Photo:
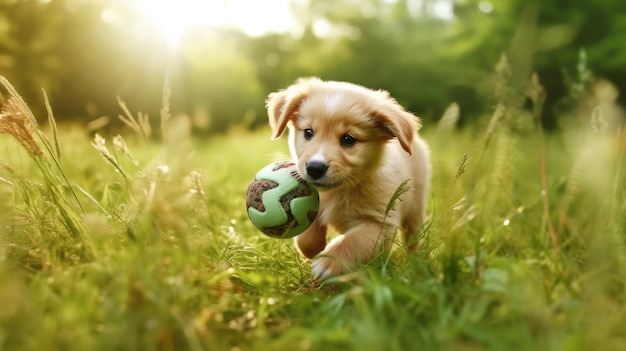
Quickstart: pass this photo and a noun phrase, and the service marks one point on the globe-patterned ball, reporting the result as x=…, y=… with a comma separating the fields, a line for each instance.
x=279, y=202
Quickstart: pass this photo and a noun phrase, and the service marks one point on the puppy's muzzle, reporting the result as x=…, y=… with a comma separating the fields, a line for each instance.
x=316, y=169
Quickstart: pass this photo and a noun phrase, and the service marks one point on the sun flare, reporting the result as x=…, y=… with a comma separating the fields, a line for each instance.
x=173, y=17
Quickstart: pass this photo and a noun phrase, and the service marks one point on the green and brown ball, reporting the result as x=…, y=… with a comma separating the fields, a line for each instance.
x=279, y=202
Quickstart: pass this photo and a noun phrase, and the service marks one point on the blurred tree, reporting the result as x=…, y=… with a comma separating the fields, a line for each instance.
x=29, y=38
x=107, y=52
x=425, y=56
x=221, y=84
x=83, y=53
x=596, y=27
x=427, y=53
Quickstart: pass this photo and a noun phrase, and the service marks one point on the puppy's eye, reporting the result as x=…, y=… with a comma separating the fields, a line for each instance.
x=308, y=134
x=347, y=140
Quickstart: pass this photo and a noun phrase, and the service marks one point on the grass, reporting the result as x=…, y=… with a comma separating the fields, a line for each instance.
x=146, y=246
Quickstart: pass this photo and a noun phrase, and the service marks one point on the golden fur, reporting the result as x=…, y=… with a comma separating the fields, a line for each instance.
x=356, y=146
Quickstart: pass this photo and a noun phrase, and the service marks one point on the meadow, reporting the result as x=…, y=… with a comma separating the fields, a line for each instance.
x=140, y=241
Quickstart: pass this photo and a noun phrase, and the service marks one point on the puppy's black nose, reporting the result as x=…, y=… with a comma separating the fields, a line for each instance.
x=316, y=169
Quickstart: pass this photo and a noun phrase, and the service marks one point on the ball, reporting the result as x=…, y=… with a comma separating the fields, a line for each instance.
x=279, y=202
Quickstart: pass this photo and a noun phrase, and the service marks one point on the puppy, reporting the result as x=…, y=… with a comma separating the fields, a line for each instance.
x=356, y=146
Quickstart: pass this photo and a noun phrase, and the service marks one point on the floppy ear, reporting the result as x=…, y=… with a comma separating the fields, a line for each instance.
x=281, y=108
x=397, y=123
x=284, y=105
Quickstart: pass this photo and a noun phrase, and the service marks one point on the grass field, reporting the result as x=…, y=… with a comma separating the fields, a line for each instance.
x=145, y=245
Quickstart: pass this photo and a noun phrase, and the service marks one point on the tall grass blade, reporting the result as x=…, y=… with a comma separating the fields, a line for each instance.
x=166, y=115
x=141, y=124
x=450, y=118
x=53, y=126
x=99, y=143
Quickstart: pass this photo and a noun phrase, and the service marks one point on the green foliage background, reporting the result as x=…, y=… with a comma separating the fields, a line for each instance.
x=220, y=76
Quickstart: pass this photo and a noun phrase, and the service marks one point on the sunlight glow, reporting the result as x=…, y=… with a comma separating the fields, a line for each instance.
x=255, y=18
x=485, y=7
x=441, y=9
x=444, y=9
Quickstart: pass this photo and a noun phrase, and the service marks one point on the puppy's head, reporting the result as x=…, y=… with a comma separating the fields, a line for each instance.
x=338, y=131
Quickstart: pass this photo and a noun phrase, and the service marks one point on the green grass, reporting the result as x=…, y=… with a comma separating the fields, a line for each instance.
x=160, y=255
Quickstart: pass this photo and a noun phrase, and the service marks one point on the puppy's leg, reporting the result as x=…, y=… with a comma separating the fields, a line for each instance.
x=357, y=245
x=313, y=240
x=411, y=226
x=415, y=212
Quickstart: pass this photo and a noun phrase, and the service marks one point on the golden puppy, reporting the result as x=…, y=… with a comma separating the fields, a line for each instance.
x=356, y=146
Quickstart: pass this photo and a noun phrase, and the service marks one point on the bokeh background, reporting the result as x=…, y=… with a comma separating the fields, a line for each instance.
x=222, y=57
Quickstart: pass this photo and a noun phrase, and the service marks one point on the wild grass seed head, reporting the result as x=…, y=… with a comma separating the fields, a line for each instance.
x=14, y=121
x=120, y=145
x=140, y=124
x=194, y=182
x=494, y=122
x=462, y=165
x=166, y=114
x=99, y=143
x=598, y=122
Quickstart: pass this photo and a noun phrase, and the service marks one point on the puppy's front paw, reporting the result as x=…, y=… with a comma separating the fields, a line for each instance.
x=338, y=258
x=346, y=251
x=326, y=266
